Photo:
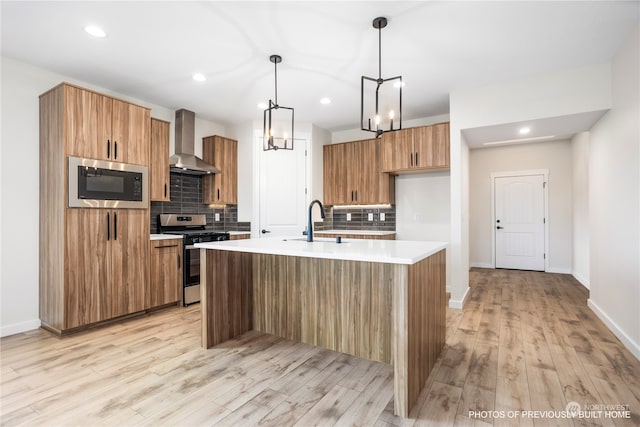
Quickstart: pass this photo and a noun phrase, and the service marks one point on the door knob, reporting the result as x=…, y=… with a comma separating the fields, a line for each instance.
x=499, y=228
x=265, y=231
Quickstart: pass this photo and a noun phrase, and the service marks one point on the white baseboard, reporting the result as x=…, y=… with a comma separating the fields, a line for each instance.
x=558, y=270
x=481, y=265
x=16, y=328
x=584, y=282
x=633, y=347
x=459, y=304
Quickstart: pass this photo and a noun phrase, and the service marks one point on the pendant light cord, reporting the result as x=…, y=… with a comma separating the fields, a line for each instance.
x=379, y=53
x=275, y=65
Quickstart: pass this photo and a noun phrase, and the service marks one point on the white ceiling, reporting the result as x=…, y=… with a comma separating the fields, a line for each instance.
x=154, y=47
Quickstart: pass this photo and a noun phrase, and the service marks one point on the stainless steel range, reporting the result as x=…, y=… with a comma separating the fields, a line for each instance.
x=193, y=228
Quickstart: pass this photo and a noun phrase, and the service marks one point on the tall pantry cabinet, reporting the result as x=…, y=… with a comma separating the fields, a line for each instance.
x=86, y=276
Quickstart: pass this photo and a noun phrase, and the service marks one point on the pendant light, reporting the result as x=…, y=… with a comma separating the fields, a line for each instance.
x=278, y=120
x=380, y=99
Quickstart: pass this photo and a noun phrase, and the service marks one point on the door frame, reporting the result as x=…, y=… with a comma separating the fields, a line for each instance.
x=257, y=144
x=545, y=192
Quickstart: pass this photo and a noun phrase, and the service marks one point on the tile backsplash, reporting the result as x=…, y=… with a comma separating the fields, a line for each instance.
x=336, y=219
x=186, y=197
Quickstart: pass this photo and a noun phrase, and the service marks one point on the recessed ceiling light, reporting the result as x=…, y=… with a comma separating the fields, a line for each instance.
x=521, y=140
x=398, y=84
x=325, y=101
x=262, y=105
x=525, y=130
x=95, y=31
x=199, y=77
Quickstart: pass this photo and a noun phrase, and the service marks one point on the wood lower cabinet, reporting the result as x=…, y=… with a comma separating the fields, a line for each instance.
x=94, y=263
x=165, y=284
x=352, y=174
x=105, y=261
x=159, y=164
x=240, y=236
x=416, y=149
x=105, y=128
x=357, y=236
x=222, y=187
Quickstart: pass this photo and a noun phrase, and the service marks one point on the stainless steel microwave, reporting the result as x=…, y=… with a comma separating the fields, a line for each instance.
x=104, y=184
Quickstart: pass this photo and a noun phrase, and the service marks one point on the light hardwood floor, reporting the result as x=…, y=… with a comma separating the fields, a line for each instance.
x=525, y=341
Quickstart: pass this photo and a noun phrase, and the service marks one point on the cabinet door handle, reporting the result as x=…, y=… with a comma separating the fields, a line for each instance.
x=115, y=150
x=218, y=194
x=165, y=189
x=417, y=162
x=108, y=227
x=411, y=159
x=108, y=148
x=178, y=261
x=115, y=226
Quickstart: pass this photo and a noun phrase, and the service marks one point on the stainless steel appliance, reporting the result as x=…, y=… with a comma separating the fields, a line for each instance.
x=193, y=228
x=103, y=184
x=185, y=161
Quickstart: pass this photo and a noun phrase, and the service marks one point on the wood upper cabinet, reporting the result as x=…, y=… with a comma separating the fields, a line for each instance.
x=159, y=163
x=106, y=264
x=352, y=174
x=165, y=282
x=416, y=149
x=335, y=185
x=222, y=187
x=104, y=128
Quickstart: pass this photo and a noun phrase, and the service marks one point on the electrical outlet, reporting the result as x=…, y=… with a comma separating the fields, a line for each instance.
x=348, y=217
x=382, y=216
x=217, y=217
x=370, y=216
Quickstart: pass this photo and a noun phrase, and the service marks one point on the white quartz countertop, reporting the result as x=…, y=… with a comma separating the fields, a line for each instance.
x=238, y=233
x=166, y=236
x=355, y=232
x=386, y=251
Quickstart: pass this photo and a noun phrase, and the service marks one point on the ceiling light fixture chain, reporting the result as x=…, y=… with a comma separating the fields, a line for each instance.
x=387, y=101
x=276, y=119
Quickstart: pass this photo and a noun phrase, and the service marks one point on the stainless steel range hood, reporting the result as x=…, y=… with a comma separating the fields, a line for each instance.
x=185, y=161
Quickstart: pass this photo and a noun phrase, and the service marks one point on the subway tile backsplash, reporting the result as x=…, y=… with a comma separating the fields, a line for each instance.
x=336, y=219
x=186, y=197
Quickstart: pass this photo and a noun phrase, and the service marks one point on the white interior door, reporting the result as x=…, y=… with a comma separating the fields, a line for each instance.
x=282, y=191
x=519, y=222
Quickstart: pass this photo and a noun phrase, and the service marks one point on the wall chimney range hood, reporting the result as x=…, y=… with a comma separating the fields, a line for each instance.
x=185, y=161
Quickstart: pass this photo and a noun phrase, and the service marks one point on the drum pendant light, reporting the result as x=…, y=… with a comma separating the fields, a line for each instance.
x=277, y=120
x=380, y=99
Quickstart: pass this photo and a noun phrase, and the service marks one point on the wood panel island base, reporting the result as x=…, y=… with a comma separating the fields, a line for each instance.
x=379, y=300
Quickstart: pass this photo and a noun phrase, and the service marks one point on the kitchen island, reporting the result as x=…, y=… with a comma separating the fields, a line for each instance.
x=376, y=299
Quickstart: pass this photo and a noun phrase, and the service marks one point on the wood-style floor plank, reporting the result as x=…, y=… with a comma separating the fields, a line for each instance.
x=526, y=341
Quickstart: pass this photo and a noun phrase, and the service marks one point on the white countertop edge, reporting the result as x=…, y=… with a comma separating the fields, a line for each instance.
x=238, y=233
x=383, y=251
x=356, y=232
x=166, y=236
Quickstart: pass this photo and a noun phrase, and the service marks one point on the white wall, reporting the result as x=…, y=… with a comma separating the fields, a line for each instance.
x=556, y=156
x=21, y=85
x=556, y=94
x=614, y=202
x=580, y=163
